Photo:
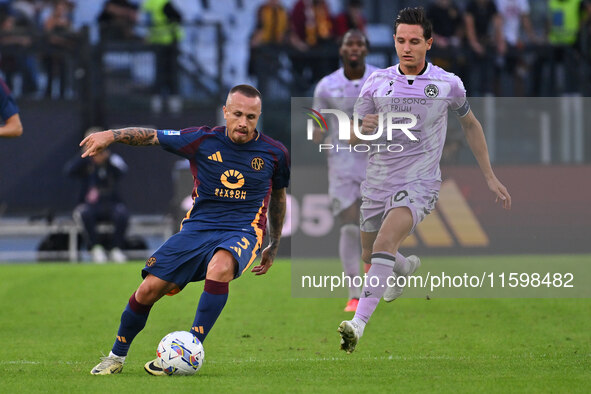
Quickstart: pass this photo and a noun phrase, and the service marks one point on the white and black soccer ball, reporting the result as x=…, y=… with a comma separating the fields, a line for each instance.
x=180, y=353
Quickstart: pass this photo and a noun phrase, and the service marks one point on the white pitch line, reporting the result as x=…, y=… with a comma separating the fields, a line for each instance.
x=251, y=360
x=29, y=362
x=313, y=359
x=329, y=359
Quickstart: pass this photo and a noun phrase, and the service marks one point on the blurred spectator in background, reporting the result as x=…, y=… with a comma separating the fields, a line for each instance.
x=99, y=200
x=15, y=42
x=351, y=18
x=272, y=24
x=312, y=36
x=12, y=126
x=312, y=23
x=271, y=34
x=165, y=31
x=29, y=12
x=117, y=20
x=565, y=21
x=60, y=36
x=448, y=32
x=515, y=14
x=484, y=32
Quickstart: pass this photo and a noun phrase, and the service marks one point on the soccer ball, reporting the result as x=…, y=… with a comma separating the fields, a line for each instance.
x=180, y=353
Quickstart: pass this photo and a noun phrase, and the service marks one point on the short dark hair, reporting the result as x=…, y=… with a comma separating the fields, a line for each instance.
x=354, y=31
x=414, y=16
x=246, y=90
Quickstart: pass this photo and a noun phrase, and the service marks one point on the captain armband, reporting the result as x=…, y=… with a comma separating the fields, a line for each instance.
x=463, y=109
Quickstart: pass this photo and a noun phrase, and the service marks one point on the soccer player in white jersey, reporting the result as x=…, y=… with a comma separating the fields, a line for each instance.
x=346, y=170
x=402, y=187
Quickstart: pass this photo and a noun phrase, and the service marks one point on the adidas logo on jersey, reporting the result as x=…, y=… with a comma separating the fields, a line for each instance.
x=215, y=157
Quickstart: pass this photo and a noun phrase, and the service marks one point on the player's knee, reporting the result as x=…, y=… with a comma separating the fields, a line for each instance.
x=350, y=230
x=146, y=295
x=150, y=291
x=221, y=271
x=222, y=267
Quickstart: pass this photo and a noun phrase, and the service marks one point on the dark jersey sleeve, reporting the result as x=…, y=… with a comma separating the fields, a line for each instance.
x=184, y=142
x=282, y=170
x=8, y=106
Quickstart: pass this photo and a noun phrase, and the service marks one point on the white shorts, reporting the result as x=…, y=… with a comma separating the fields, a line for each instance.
x=343, y=192
x=420, y=199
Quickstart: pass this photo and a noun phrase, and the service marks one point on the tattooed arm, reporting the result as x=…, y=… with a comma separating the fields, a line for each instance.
x=276, y=216
x=94, y=143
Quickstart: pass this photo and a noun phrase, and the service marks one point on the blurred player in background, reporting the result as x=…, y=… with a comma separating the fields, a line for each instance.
x=239, y=175
x=99, y=200
x=346, y=170
x=402, y=187
x=12, y=126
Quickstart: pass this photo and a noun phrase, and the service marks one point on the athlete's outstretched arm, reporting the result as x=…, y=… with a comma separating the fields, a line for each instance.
x=94, y=143
x=475, y=137
x=276, y=216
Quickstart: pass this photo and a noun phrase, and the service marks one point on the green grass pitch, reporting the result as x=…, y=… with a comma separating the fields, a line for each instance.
x=56, y=319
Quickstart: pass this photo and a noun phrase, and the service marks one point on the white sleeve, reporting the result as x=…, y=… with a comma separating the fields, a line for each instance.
x=320, y=96
x=365, y=104
x=459, y=104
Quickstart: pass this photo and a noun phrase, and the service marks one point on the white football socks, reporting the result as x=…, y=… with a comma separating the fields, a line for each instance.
x=375, y=286
x=121, y=359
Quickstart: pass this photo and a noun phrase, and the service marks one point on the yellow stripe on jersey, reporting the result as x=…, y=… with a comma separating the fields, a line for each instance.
x=254, y=254
x=259, y=234
x=188, y=214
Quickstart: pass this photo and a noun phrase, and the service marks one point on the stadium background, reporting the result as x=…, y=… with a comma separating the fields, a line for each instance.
x=113, y=83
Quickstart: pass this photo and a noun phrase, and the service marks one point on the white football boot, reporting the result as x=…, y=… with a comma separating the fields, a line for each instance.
x=350, y=332
x=395, y=291
x=109, y=365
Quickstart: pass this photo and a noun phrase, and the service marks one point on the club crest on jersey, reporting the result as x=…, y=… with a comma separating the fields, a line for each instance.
x=257, y=163
x=151, y=261
x=431, y=91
